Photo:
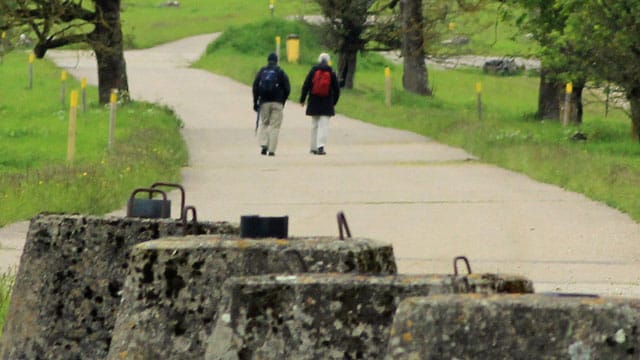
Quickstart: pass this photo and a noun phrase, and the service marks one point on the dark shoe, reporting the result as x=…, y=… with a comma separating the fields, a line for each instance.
x=314, y=152
x=272, y=154
x=321, y=151
x=263, y=151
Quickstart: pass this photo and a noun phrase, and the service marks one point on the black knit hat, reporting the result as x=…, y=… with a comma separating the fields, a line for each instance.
x=273, y=58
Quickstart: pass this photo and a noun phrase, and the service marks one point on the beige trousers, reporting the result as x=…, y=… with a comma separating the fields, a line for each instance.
x=270, y=122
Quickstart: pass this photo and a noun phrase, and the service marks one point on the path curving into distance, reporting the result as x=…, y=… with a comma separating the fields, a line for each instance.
x=431, y=201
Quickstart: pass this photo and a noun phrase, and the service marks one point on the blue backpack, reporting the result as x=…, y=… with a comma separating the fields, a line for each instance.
x=268, y=84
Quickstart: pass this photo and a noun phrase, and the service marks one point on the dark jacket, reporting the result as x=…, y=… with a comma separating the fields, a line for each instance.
x=282, y=93
x=320, y=105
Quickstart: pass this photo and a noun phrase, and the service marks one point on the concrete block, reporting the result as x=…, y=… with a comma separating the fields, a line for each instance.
x=325, y=316
x=69, y=282
x=516, y=327
x=171, y=295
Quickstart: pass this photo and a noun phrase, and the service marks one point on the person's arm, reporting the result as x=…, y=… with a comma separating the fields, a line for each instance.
x=256, y=81
x=286, y=87
x=306, y=86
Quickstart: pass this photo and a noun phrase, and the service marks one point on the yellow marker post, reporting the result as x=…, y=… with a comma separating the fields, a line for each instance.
x=479, y=93
x=567, y=103
x=73, y=114
x=113, y=101
x=63, y=86
x=83, y=87
x=32, y=58
x=272, y=6
x=293, y=48
x=452, y=26
x=387, y=85
x=278, y=41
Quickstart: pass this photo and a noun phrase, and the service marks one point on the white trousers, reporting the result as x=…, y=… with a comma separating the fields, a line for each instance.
x=319, y=131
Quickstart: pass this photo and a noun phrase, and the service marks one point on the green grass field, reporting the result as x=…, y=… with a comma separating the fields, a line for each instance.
x=146, y=23
x=34, y=173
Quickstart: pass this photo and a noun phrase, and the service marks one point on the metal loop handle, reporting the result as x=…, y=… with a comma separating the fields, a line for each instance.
x=455, y=264
x=342, y=225
x=177, y=186
x=194, y=220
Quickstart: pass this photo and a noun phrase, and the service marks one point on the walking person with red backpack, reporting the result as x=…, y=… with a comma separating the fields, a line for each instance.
x=323, y=91
x=271, y=90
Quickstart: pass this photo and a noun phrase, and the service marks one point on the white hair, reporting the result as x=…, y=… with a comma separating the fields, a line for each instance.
x=324, y=58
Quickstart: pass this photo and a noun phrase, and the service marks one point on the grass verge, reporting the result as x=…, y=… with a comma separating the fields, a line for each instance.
x=606, y=167
x=6, y=286
x=146, y=23
x=34, y=173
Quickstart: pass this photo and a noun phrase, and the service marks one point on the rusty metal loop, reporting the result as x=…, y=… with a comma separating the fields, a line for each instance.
x=343, y=226
x=455, y=264
x=150, y=191
x=177, y=186
x=194, y=220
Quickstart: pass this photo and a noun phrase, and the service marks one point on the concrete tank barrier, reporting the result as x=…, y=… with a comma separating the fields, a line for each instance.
x=516, y=327
x=171, y=295
x=68, y=285
x=325, y=316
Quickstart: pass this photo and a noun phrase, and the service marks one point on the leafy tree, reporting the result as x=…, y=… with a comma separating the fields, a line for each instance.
x=546, y=21
x=608, y=34
x=58, y=23
x=349, y=29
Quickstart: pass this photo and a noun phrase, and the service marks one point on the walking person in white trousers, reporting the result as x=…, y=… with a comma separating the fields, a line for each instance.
x=323, y=91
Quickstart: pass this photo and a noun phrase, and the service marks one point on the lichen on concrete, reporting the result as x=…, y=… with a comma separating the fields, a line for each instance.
x=523, y=327
x=69, y=283
x=324, y=316
x=174, y=286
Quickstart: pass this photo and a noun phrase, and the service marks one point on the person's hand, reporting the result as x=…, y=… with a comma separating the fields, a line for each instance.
x=302, y=104
x=256, y=108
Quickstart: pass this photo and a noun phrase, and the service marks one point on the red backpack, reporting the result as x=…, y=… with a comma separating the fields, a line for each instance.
x=321, y=83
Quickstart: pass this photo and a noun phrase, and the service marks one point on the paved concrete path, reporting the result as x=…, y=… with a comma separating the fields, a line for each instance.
x=432, y=201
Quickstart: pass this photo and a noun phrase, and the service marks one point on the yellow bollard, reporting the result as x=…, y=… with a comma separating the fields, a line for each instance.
x=272, y=6
x=63, y=86
x=71, y=142
x=83, y=86
x=32, y=58
x=479, y=93
x=278, y=40
x=567, y=103
x=293, y=48
x=113, y=101
x=387, y=85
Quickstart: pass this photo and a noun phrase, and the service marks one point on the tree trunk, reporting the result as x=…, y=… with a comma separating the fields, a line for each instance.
x=576, y=103
x=347, y=67
x=415, y=77
x=550, y=96
x=106, y=41
x=633, y=95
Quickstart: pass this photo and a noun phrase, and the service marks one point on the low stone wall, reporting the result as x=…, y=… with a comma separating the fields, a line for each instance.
x=516, y=327
x=172, y=293
x=69, y=282
x=326, y=316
